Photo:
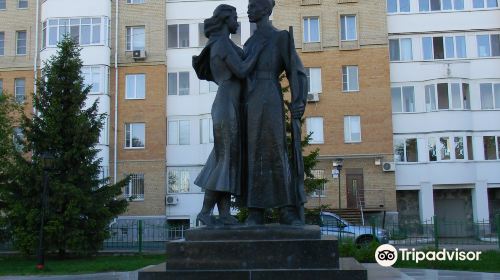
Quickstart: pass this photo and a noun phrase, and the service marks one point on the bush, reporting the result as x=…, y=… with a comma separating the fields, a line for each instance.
x=364, y=254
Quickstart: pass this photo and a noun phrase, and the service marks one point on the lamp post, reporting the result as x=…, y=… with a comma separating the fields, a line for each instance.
x=48, y=162
x=338, y=165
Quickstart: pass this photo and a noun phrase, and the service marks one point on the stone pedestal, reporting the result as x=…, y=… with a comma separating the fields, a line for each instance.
x=264, y=252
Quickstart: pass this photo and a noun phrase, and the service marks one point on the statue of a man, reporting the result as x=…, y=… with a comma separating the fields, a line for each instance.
x=270, y=178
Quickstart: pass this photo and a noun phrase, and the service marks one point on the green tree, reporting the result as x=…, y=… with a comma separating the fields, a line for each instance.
x=9, y=110
x=80, y=205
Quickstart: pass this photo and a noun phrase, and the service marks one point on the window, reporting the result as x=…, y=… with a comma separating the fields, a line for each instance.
x=2, y=43
x=348, y=28
x=136, y=1
x=488, y=45
x=403, y=99
x=135, y=188
x=178, y=83
x=136, y=38
x=92, y=77
x=491, y=147
x=315, y=126
x=21, y=42
x=1, y=86
x=406, y=150
x=458, y=144
x=178, y=36
x=202, y=39
x=490, y=96
x=432, y=149
x=319, y=174
x=400, y=49
x=454, y=96
x=2, y=5
x=178, y=181
x=20, y=90
x=445, y=148
x=440, y=5
x=394, y=6
x=314, y=80
x=206, y=131
x=470, y=151
x=22, y=4
x=350, y=78
x=178, y=132
x=478, y=4
x=135, y=86
x=311, y=30
x=454, y=47
x=208, y=87
x=352, y=129
x=18, y=138
x=444, y=47
x=450, y=148
x=85, y=31
x=135, y=135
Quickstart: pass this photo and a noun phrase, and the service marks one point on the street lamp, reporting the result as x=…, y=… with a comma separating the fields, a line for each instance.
x=338, y=164
x=48, y=164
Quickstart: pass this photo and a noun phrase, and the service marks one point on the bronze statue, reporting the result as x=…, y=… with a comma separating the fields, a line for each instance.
x=221, y=62
x=270, y=179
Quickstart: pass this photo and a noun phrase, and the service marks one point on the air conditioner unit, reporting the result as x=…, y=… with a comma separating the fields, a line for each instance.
x=139, y=54
x=313, y=97
x=388, y=166
x=171, y=200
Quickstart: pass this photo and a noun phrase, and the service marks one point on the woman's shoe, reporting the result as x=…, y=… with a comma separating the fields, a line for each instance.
x=206, y=219
x=228, y=220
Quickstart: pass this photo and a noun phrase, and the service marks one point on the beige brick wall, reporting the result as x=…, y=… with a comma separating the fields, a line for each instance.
x=154, y=187
x=375, y=181
x=152, y=15
x=8, y=78
x=13, y=19
x=151, y=160
x=372, y=102
x=371, y=20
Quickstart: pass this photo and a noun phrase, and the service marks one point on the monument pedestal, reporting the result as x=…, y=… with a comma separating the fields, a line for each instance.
x=263, y=252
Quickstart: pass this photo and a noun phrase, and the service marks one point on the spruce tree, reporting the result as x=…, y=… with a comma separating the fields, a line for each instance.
x=80, y=205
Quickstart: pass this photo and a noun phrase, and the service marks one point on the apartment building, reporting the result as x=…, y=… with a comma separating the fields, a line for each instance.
x=138, y=107
x=18, y=53
x=445, y=88
x=344, y=46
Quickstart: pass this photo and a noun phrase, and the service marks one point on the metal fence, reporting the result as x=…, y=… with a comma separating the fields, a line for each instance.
x=139, y=236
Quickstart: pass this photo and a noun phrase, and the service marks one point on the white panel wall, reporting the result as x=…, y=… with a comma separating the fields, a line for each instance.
x=71, y=8
x=444, y=21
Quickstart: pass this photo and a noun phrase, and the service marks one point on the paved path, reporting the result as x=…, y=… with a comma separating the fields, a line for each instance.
x=375, y=272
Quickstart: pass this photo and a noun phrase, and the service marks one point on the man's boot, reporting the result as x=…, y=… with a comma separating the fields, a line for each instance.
x=255, y=217
x=290, y=216
x=224, y=206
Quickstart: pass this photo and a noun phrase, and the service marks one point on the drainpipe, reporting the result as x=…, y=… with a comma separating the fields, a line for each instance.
x=115, y=153
x=35, y=62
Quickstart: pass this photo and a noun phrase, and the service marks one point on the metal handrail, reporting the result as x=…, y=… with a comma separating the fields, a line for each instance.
x=360, y=204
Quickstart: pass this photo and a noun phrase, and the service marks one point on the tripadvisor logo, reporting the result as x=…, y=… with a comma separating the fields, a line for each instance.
x=387, y=255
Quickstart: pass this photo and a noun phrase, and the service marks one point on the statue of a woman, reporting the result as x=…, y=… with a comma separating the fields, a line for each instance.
x=221, y=62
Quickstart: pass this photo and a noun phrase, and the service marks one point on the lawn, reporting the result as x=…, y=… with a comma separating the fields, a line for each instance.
x=489, y=261
x=26, y=266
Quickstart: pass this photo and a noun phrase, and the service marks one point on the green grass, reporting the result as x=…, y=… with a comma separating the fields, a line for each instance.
x=26, y=266
x=489, y=261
